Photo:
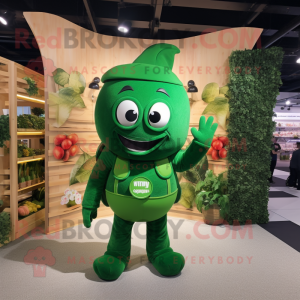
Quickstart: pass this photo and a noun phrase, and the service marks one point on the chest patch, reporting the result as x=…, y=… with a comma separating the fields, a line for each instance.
x=140, y=187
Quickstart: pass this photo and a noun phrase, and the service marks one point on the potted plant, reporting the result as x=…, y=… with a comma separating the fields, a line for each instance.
x=32, y=173
x=212, y=198
x=22, y=182
x=27, y=177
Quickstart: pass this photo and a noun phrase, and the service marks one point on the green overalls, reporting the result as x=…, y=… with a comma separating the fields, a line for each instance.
x=133, y=196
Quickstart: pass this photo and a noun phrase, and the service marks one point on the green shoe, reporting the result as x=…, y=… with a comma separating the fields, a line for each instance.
x=108, y=267
x=169, y=264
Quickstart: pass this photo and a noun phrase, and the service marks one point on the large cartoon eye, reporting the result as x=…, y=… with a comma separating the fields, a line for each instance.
x=127, y=113
x=159, y=115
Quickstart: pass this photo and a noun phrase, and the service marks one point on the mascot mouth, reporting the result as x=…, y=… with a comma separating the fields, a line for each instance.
x=139, y=146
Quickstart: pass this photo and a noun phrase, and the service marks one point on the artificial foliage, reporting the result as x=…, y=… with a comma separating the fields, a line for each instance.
x=4, y=227
x=31, y=121
x=38, y=111
x=32, y=90
x=4, y=129
x=253, y=88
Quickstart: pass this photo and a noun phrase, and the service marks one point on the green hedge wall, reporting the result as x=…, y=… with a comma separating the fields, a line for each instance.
x=253, y=88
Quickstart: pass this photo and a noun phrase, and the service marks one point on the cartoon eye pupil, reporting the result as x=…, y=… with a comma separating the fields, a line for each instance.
x=35, y=258
x=127, y=113
x=131, y=115
x=159, y=115
x=43, y=258
x=154, y=117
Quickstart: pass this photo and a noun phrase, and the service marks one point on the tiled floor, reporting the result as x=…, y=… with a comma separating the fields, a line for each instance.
x=287, y=208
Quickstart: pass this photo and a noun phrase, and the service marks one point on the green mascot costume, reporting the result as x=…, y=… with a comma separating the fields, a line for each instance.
x=142, y=117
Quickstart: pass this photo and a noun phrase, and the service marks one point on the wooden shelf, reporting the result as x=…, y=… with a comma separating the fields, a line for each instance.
x=26, y=130
x=5, y=172
x=27, y=189
x=22, y=160
x=30, y=99
x=30, y=133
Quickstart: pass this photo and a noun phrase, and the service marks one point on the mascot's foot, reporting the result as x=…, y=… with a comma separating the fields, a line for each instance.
x=169, y=264
x=108, y=267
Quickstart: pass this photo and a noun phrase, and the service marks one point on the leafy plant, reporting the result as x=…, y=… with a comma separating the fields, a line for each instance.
x=4, y=129
x=38, y=111
x=31, y=121
x=82, y=169
x=197, y=173
x=67, y=97
x=252, y=100
x=212, y=190
x=4, y=227
x=21, y=175
x=32, y=90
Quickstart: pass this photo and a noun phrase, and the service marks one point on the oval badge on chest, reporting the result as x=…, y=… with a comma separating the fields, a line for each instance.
x=140, y=187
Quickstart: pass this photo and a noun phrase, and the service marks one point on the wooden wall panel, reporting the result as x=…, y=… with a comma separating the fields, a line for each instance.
x=203, y=59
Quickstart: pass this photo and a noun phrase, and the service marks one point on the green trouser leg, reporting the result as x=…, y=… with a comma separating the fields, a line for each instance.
x=160, y=254
x=112, y=264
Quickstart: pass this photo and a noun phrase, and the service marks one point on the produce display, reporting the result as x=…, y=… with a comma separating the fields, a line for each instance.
x=218, y=147
x=65, y=146
x=38, y=111
x=287, y=124
x=24, y=151
x=30, y=173
x=28, y=207
x=31, y=121
x=294, y=134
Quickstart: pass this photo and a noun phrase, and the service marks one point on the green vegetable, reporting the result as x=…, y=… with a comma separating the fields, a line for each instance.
x=4, y=227
x=252, y=100
x=32, y=90
x=61, y=77
x=4, y=129
x=213, y=190
x=187, y=195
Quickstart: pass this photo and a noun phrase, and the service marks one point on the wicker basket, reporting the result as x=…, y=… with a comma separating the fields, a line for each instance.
x=212, y=215
x=22, y=185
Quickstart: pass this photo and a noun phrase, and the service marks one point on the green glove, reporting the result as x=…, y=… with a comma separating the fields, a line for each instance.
x=206, y=131
x=88, y=215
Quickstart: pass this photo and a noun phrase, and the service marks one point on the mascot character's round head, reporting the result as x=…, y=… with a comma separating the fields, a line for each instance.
x=142, y=111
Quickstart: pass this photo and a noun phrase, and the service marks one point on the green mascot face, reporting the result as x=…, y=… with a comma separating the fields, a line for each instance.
x=142, y=110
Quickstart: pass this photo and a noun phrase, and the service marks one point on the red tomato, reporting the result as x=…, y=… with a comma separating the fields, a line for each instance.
x=215, y=138
x=58, y=152
x=224, y=140
x=67, y=155
x=217, y=145
x=215, y=155
x=73, y=137
x=210, y=151
x=223, y=153
x=58, y=139
x=66, y=144
x=74, y=150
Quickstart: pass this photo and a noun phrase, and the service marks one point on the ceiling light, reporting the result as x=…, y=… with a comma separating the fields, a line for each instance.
x=124, y=26
x=288, y=102
x=298, y=60
x=3, y=21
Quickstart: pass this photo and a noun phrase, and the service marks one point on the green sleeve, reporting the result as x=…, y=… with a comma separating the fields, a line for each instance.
x=188, y=158
x=97, y=180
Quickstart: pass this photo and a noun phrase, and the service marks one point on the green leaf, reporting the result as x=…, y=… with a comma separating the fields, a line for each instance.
x=220, y=108
x=77, y=82
x=70, y=97
x=61, y=77
x=81, y=160
x=83, y=174
x=62, y=114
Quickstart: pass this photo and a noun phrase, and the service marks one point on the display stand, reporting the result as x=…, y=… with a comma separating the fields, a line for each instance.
x=13, y=95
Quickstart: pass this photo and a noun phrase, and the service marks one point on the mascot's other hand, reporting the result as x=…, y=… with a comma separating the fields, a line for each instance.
x=206, y=131
x=88, y=215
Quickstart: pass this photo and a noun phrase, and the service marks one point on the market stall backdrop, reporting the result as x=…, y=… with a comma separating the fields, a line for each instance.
x=66, y=47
